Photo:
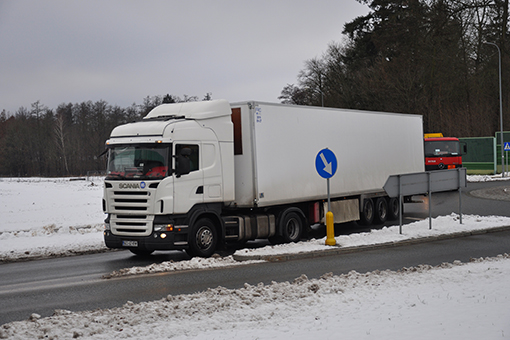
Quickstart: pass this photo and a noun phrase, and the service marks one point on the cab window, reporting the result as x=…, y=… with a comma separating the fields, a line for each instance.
x=193, y=155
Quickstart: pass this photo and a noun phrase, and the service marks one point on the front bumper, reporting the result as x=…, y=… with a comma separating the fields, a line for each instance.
x=160, y=240
x=441, y=166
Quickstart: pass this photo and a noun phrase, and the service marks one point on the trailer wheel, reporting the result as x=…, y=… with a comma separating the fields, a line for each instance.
x=204, y=238
x=291, y=227
x=367, y=212
x=393, y=208
x=381, y=210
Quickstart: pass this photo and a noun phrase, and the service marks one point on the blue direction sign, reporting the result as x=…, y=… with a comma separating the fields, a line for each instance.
x=326, y=163
x=507, y=146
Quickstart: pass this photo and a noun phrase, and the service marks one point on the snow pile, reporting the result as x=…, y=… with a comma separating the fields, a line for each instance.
x=170, y=266
x=451, y=301
x=442, y=225
x=51, y=241
x=487, y=178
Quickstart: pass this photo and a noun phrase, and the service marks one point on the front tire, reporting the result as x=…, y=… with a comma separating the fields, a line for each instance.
x=203, y=239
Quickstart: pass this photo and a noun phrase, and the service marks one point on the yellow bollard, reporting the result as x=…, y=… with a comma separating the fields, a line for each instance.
x=330, y=229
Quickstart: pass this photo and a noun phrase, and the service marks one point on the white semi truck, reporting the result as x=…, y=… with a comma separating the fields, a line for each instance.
x=198, y=175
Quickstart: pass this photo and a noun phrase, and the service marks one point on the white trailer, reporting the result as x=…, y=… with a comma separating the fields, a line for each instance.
x=196, y=175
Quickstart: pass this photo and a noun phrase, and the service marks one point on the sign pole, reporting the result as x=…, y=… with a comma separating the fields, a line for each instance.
x=329, y=196
x=326, y=164
x=330, y=222
x=430, y=204
x=460, y=195
x=505, y=148
x=400, y=204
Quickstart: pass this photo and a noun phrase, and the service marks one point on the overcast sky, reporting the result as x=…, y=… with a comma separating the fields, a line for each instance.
x=122, y=51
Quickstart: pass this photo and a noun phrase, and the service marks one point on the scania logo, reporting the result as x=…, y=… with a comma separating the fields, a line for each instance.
x=129, y=186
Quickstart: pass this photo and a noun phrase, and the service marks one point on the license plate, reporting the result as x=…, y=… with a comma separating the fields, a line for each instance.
x=130, y=243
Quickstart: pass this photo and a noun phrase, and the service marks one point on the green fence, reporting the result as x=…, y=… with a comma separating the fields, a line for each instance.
x=480, y=155
x=484, y=154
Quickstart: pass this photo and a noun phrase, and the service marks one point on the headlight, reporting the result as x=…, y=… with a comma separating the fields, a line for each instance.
x=107, y=226
x=163, y=227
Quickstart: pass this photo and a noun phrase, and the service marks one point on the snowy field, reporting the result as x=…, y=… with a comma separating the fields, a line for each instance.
x=58, y=217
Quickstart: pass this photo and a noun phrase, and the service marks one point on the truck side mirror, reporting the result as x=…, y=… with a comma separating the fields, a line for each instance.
x=183, y=163
x=464, y=148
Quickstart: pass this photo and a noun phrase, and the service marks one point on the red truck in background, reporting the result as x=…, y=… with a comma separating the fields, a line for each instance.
x=442, y=152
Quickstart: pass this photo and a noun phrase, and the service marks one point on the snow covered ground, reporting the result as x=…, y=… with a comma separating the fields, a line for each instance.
x=50, y=216
x=56, y=217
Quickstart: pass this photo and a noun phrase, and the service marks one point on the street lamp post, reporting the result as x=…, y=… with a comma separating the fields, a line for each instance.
x=500, y=111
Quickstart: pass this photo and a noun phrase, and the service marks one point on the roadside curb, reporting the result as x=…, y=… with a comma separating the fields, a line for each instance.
x=337, y=250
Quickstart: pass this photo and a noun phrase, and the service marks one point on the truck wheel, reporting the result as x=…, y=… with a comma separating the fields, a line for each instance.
x=291, y=227
x=204, y=239
x=393, y=209
x=367, y=212
x=381, y=210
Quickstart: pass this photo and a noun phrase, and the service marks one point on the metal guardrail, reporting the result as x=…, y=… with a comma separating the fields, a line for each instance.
x=426, y=183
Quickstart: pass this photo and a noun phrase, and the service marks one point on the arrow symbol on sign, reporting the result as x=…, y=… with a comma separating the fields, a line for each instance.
x=327, y=165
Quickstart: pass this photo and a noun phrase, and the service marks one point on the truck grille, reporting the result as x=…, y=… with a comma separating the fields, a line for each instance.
x=131, y=225
x=131, y=200
x=130, y=213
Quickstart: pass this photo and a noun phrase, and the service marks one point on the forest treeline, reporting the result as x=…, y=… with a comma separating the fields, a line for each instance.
x=68, y=140
x=436, y=58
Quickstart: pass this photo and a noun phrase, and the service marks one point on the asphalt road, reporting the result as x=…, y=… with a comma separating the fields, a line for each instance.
x=76, y=283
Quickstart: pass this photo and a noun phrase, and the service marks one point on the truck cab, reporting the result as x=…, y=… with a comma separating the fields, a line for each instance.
x=442, y=153
x=165, y=171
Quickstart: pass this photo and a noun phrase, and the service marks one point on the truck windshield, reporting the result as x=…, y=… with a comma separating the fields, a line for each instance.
x=138, y=161
x=442, y=148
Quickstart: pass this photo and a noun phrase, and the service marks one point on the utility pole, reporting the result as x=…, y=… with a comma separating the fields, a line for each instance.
x=500, y=111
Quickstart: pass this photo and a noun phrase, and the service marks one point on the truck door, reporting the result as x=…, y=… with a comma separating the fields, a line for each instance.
x=188, y=177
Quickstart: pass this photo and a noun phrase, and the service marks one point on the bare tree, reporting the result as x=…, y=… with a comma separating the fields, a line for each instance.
x=421, y=56
x=60, y=139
